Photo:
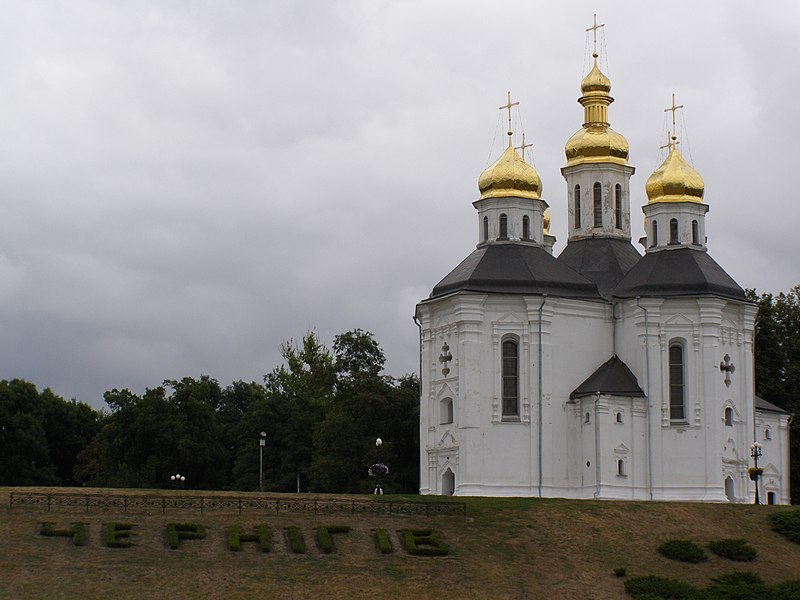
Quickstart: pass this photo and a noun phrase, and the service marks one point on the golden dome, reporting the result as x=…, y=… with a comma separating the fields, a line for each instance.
x=508, y=176
x=595, y=81
x=546, y=221
x=596, y=142
x=674, y=181
x=593, y=143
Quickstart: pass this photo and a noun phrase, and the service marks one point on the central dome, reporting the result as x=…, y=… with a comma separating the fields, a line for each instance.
x=509, y=176
x=596, y=142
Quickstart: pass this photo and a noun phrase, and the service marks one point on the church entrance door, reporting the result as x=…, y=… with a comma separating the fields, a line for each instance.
x=729, y=489
x=448, y=483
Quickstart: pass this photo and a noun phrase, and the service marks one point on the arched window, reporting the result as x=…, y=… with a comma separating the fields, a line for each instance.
x=677, y=396
x=654, y=234
x=729, y=416
x=526, y=228
x=619, y=417
x=503, y=227
x=587, y=418
x=673, y=231
x=446, y=410
x=621, y=467
x=510, y=379
x=598, y=204
x=695, y=233
x=577, y=201
x=485, y=229
x=768, y=434
x=618, y=206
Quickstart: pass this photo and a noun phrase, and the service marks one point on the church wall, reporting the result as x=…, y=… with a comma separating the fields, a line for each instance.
x=579, y=343
x=691, y=457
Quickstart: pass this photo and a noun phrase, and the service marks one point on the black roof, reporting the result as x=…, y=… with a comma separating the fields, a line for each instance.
x=765, y=406
x=678, y=272
x=613, y=378
x=605, y=261
x=515, y=269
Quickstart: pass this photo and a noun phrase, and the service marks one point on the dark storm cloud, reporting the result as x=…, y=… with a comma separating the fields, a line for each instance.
x=183, y=185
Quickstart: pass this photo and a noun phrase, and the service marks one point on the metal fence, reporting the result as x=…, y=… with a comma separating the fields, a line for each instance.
x=136, y=503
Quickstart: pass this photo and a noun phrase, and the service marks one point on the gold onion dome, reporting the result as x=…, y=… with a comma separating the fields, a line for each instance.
x=674, y=181
x=596, y=142
x=546, y=221
x=509, y=176
x=595, y=81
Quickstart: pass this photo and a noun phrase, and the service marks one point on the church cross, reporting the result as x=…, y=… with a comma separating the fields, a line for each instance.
x=727, y=367
x=672, y=109
x=444, y=358
x=524, y=145
x=671, y=141
x=508, y=106
x=594, y=29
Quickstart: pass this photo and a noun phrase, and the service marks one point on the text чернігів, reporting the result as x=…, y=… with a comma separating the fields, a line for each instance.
x=418, y=542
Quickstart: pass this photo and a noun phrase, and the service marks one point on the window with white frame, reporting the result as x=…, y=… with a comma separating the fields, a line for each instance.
x=510, y=378
x=503, y=227
x=446, y=411
x=598, y=204
x=677, y=386
x=729, y=417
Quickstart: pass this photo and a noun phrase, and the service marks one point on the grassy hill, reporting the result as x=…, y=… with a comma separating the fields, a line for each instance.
x=505, y=548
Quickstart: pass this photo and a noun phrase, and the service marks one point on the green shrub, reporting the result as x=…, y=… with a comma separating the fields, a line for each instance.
x=296, y=542
x=683, y=550
x=787, y=522
x=384, y=543
x=117, y=535
x=620, y=571
x=236, y=537
x=424, y=542
x=742, y=585
x=733, y=549
x=786, y=590
x=651, y=587
x=184, y=531
x=77, y=533
x=324, y=538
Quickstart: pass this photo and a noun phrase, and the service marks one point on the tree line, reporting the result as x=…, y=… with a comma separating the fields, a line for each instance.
x=321, y=412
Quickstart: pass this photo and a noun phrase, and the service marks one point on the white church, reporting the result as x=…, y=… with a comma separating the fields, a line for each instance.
x=599, y=373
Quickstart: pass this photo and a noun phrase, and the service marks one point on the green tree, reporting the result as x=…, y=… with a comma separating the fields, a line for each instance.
x=41, y=435
x=295, y=398
x=777, y=363
x=147, y=438
x=366, y=405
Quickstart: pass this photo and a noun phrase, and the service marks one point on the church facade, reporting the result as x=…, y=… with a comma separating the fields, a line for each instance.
x=600, y=373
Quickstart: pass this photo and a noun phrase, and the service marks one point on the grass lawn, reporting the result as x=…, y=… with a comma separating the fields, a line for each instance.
x=505, y=548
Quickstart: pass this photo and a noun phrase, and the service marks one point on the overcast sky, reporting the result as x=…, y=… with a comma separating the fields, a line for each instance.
x=186, y=184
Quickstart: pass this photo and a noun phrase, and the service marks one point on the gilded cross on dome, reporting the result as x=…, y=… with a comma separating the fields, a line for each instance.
x=671, y=144
x=594, y=29
x=508, y=106
x=523, y=146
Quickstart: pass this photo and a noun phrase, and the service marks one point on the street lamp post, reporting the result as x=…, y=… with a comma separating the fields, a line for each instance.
x=261, y=443
x=755, y=472
x=177, y=480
